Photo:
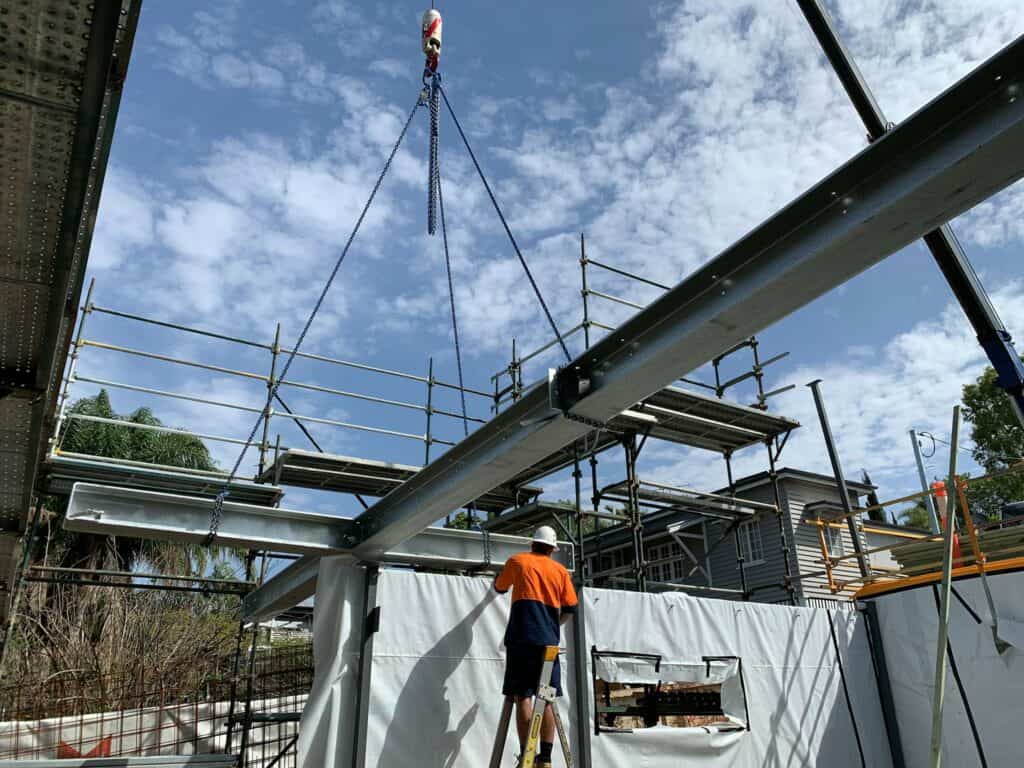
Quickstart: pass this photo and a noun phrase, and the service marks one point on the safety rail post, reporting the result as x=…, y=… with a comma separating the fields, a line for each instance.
x=577, y=479
x=945, y=593
x=762, y=402
x=785, y=525
x=429, y=409
x=268, y=412
x=247, y=717
x=250, y=560
x=585, y=291
x=516, y=372
x=72, y=367
x=595, y=500
x=740, y=559
x=629, y=446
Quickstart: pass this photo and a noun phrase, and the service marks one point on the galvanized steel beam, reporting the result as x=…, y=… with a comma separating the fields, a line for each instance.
x=117, y=511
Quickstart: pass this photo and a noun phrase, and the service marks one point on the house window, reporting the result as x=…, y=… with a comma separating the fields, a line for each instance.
x=633, y=691
x=668, y=562
x=834, y=537
x=751, y=546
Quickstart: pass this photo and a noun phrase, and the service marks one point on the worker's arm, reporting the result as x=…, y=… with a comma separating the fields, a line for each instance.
x=569, y=599
x=504, y=580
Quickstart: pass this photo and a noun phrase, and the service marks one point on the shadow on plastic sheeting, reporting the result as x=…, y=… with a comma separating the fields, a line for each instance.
x=423, y=709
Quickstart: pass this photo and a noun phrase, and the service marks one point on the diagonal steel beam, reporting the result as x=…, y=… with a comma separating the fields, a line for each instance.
x=942, y=242
x=958, y=150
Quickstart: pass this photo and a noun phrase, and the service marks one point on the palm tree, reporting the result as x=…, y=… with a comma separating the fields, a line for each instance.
x=117, y=442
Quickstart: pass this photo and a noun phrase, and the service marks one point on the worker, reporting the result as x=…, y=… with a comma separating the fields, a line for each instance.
x=543, y=599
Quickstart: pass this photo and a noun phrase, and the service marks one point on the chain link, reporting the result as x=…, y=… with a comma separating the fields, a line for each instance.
x=434, y=169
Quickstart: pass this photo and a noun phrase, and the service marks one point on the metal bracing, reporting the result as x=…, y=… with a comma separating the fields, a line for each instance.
x=942, y=241
x=956, y=151
x=662, y=497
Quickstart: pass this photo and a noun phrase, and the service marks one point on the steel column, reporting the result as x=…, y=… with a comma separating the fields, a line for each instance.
x=942, y=242
x=837, y=469
x=268, y=409
x=884, y=682
x=585, y=291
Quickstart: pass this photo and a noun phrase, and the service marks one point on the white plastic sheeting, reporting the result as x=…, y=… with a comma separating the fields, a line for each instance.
x=327, y=730
x=798, y=713
x=437, y=665
x=992, y=682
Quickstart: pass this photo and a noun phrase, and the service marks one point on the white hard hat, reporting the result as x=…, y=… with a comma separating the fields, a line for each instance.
x=546, y=535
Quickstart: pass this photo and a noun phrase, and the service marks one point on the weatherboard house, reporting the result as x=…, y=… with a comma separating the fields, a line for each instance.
x=682, y=548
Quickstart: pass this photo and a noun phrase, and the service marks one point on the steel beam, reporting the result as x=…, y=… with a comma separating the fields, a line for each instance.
x=956, y=151
x=284, y=590
x=116, y=511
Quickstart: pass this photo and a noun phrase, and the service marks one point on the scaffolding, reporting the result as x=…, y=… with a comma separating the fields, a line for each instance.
x=683, y=417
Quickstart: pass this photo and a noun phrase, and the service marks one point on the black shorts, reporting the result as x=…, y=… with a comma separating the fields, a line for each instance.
x=522, y=671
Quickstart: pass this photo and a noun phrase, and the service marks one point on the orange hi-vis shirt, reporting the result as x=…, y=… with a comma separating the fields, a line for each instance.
x=541, y=592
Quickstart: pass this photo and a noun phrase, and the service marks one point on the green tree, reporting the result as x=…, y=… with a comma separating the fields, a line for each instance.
x=95, y=438
x=915, y=516
x=108, y=636
x=998, y=444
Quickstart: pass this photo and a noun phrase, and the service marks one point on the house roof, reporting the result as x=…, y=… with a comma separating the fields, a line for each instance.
x=788, y=473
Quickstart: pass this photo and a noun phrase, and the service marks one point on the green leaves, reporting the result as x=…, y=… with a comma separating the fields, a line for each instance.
x=999, y=442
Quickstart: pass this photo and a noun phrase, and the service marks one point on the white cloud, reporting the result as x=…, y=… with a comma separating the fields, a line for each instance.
x=124, y=226
x=561, y=109
x=391, y=68
x=913, y=381
x=739, y=115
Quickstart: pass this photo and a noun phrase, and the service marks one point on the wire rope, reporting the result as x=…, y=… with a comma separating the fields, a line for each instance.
x=504, y=222
x=218, y=504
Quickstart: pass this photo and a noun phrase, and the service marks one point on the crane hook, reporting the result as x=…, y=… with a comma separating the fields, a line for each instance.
x=431, y=35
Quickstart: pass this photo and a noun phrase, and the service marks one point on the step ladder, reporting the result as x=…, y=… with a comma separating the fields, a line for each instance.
x=544, y=698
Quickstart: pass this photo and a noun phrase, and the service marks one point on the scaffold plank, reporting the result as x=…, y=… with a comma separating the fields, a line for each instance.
x=61, y=472
x=368, y=477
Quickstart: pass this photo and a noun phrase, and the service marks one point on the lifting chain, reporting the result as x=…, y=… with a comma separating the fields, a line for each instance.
x=433, y=101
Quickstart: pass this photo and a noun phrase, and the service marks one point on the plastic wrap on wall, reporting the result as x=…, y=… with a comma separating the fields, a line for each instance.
x=991, y=682
x=438, y=662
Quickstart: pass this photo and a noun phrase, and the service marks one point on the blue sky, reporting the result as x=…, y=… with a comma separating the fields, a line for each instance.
x=250, y=135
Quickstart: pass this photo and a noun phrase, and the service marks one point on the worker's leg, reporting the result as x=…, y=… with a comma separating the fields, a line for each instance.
x=547, y=725
x=524, y=711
